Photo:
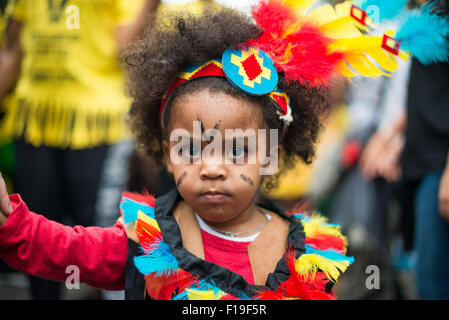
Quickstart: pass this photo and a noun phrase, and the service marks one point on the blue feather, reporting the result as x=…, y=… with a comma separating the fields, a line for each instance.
x=130, y=208
x=298, y=216
x=159, y=260
x=424, y=34
x=243, y=296
x=181, y=296
x=329, y=254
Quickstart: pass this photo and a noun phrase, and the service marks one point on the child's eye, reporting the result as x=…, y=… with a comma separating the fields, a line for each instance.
x=237, y=152
x=190, y=151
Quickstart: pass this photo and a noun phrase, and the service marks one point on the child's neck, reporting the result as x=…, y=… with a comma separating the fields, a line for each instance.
x=248, y=219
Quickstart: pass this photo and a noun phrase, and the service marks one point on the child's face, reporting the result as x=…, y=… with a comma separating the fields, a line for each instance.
x=214, y=185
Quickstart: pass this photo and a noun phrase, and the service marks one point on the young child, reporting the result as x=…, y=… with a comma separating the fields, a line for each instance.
x=191, y=79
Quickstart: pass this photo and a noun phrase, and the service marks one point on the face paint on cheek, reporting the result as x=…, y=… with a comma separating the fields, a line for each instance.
x=181, y=178
x=247, y=179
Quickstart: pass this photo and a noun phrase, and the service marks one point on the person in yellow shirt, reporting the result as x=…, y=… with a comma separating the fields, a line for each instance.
x=6, y=147
x=69, y=103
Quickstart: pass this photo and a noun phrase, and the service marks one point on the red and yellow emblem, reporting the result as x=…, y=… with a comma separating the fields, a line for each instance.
x=250, y=69
x=250, y=66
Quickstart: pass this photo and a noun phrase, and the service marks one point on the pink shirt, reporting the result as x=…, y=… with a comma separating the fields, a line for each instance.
x=232, y=255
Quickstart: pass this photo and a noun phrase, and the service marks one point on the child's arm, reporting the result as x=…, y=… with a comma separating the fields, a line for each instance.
x=44, y=248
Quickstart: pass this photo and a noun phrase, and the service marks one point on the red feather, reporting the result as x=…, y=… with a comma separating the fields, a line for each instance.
x=297, y=47
x=325, y=242
x=144, y=198
x=148, y=235
x=162, y=288
x=269, y=295
x=305, y=287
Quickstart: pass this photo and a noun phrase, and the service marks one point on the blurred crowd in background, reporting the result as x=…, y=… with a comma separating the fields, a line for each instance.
x=381, y=162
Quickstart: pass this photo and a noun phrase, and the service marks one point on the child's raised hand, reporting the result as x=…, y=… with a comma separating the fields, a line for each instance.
x=5, y=204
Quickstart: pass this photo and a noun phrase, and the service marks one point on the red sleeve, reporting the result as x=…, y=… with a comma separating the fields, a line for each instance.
x=37, y=246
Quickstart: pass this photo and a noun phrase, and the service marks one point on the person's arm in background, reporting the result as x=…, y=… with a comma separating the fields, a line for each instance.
x=129, y=32
x=10, y=59
x=381, y=154
x=43, y=248
x=443, y=192
x=381, y=157
x=389, y=167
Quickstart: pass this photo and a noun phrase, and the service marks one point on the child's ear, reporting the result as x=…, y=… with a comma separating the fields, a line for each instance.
x=167, y=159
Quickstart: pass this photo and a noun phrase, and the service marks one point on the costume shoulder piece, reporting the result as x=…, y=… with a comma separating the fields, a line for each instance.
x=310, y=273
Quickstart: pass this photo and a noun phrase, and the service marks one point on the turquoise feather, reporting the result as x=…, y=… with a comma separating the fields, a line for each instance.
x=424, y=34
x=130, y=208
x=329, y=254
x=158, y=259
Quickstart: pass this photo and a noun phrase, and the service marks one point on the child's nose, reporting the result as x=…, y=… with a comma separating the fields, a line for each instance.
x=212, y=168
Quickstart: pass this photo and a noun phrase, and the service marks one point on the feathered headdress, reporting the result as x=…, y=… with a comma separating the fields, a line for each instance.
x=315, y=45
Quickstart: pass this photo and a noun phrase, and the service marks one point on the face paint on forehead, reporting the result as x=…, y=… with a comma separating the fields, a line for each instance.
x=202, y=125
x=217, y=125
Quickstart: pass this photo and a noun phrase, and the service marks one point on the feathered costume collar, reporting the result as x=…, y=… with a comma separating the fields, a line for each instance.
x=311, y=264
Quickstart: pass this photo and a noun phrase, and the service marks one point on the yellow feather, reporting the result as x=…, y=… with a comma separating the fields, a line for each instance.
x=152, y=222
x=345, y=71
x=386, y=60
x=363, y=54
x=341, y=27
x=364, y=67
x=193, y=294
x=318, y=225
x=300, y=6
x=336, y=22
x=359, y=50
x=356, y=44
x=311, y=263
x=323, y=14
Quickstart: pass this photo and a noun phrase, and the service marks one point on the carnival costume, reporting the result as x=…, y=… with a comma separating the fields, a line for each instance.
x=165, y=254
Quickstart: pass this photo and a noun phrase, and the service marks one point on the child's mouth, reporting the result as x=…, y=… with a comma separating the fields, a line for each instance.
x=214, y=196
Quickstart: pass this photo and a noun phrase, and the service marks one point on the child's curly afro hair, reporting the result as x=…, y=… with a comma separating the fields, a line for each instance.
x=173, y=43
